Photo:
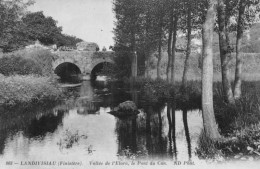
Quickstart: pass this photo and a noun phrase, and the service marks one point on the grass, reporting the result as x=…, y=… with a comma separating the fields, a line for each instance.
x=26, y=89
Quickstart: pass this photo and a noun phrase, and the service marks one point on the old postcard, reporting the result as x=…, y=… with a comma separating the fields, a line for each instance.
x=99, y=84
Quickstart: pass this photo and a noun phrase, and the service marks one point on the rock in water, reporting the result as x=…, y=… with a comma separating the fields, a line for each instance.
x=127, y=106
x=125, y=109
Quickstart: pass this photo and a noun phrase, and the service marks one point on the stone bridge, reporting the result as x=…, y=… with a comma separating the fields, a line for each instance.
x=80, y=62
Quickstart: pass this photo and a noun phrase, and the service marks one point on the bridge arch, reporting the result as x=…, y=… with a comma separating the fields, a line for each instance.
x=98, y=66
x=94, y=64
x=68, y=71
x=67, y=60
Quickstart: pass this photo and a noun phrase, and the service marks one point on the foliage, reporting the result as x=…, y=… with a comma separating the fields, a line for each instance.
x=11, y=65
x=242, y=143
x=45, y=29
x=122, y=61
x=19, y=28
x=41, y=57
x=24, y=62
x=66, y=40
x=156, y=90
x=11, y=27
x=41, y=28
x=244, y=113
x=24, y=89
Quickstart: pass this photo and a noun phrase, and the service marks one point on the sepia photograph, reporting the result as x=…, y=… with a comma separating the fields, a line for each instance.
x=132, y=84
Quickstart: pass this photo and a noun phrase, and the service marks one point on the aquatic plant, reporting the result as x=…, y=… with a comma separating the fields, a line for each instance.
x=69, y=139
x=127, y=154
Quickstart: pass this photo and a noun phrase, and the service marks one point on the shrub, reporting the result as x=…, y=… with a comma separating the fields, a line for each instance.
x=12, y=64
x=25, y=89
x=27, y=61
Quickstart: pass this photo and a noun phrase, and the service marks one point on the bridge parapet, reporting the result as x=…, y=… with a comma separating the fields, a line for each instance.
x=84, y=60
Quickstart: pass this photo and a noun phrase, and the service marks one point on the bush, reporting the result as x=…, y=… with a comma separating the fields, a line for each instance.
x=36, y=61
x=11, y=65
x=25, y=89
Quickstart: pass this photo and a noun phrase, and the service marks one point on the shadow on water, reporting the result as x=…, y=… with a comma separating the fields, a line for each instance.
x=158, y=131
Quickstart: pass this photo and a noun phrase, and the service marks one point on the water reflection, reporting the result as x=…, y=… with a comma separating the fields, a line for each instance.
x=39, y=127
x=186, y=129
x=158, y=131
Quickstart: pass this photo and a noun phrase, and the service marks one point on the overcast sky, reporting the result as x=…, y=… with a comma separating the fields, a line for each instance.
x=90, y=20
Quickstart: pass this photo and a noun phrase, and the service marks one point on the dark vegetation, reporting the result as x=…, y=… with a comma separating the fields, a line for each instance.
x=26, y=77
x=20, y=28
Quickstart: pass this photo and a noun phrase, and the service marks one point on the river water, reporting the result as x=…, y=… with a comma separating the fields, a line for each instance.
x=80, y=129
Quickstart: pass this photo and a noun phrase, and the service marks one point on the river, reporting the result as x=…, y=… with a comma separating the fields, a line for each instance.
x=80, y=129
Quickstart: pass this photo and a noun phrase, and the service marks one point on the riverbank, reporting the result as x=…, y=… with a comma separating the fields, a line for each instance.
x=27, y=89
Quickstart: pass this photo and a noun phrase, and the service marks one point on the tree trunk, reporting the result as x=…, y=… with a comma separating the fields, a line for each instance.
x=134, y=65
x=240, y=29
x=225, y=53
x=147, y=45
x=174, y=39
x=160, y=49
x=209, y=122
x=188, y=50
x=147, y=66
x=159, y=59
x=134, y=58
x=168, y=71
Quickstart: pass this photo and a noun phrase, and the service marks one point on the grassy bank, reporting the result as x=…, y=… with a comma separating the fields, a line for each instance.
x=27, y=89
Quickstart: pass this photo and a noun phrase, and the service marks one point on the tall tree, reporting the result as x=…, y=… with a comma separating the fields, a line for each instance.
x=209, y=122
x=240, y=23
x=225, y=49
x=129, y=18
x=170, y=42
x=161, y=14
x=188, y=50
x=174, y=40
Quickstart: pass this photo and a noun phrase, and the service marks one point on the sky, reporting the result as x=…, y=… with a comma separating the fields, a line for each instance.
x=90, y=20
